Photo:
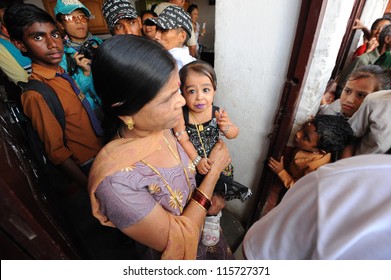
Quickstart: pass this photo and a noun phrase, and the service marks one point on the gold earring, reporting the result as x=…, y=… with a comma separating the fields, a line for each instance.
x=130, y=123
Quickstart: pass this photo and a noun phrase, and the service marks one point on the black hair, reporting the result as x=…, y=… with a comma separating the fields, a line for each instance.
x=379, y=20
x=147, y=12
x=20, y=16
x=334, y=132
x=128, y=72
x=381, y=75
x=191, y=8
x=153, y=7
x=200, y=67
x=386, y=31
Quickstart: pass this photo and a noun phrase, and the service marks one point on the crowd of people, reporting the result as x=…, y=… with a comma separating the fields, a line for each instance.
x=143, y=138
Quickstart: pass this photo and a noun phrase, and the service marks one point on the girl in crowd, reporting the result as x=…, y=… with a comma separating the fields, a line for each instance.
x=363, y=81
x=73, y=20
x=142, y=181
x=194, y=13
x=199, y=131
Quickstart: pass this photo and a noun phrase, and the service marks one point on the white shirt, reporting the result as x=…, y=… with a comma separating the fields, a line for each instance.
x=372, y=122
x=333, y=109
x=340, y=211
x=182, y=56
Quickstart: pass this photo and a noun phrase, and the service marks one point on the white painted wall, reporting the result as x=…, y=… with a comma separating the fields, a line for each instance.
x=252, y=51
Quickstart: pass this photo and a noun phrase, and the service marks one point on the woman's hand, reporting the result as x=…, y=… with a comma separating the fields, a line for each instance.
x=83, y=63
x=218, y=203
x=219, y=157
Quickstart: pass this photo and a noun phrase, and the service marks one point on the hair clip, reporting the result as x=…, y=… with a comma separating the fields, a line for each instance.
x=117, y=104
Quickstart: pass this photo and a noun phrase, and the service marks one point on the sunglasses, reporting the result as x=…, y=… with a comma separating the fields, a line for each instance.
x=71, y=18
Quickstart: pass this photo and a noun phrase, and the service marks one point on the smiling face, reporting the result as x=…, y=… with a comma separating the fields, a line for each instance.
x=354, y=94
x=75, y=25
x=148, y=30
x=194, y=15
x=198, y=92
x=162, y=112
x=43, y=44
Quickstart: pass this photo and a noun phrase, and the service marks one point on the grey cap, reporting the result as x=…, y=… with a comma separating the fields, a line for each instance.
x=114, y=10
x=172, y=17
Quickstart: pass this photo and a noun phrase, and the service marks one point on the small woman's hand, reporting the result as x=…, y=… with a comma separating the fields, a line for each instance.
x=83, y=63
x=219, y=156
x=204, y=166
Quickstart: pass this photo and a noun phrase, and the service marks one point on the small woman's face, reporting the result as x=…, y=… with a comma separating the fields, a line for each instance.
x=198, y=91
x=162, y=112
x=75, y=25
x=194, y=15
x=354, y=94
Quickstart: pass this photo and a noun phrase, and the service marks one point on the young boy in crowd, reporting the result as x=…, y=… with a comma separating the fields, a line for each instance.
x=34, y=33
x=173, y=29
x=362, y=82
x=121, y=17
x=371, y=125
x=315, y=142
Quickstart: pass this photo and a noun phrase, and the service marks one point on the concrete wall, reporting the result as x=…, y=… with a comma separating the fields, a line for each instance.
x=252, y=52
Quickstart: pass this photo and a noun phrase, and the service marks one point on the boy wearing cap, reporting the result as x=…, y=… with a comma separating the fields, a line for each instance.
x=173, y=29
x=121, y=17
x=192, y=42
x=72, y=18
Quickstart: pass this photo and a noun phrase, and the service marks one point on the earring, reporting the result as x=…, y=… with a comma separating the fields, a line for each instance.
x=130, y=123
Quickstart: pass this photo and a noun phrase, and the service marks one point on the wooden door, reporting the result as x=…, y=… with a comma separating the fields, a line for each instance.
x=97, y=24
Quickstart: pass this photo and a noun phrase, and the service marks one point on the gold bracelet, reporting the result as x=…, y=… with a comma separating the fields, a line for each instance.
x=199, y=204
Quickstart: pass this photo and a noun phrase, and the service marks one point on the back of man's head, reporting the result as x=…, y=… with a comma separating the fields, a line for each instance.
x=20, y=16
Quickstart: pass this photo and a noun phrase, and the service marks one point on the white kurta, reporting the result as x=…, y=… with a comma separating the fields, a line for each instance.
x=372, y=122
